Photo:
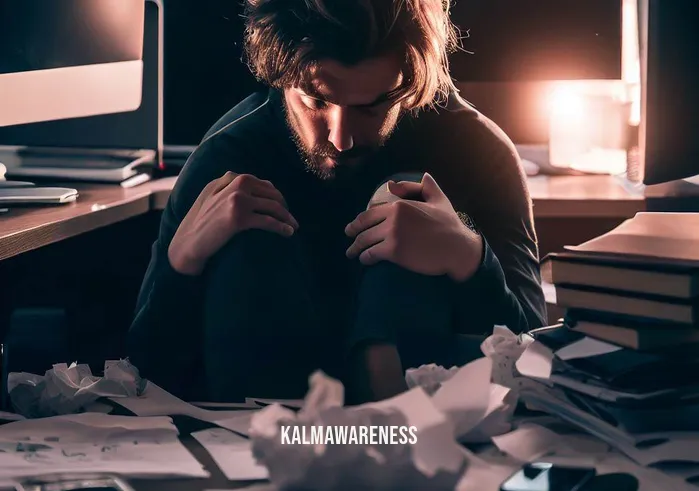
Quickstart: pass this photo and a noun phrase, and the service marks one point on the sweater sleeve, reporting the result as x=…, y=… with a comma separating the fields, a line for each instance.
x=506, y=288
x=164, y=340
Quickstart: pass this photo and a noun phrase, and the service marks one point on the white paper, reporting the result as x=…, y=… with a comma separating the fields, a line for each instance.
x=324, y=393
x=504, y=348
x=528, y=443
x=84, y=428
x=430, y=377
x=586, y=348
x=433, y=461
x=535, y=362
x=497, y=419
x=95, y=442
x=232, y=454
x=5, y=416
x=158, y=402
x=240, y=423
x=68, y=389
x=436, y=449
x=465, y=397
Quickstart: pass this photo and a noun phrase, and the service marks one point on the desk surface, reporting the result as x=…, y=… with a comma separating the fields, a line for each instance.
x=27, y=228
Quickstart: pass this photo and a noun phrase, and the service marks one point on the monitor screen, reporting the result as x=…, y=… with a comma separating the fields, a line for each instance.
x=69, y=58
x=533, y=40
x=134, y=130
x=668, y=143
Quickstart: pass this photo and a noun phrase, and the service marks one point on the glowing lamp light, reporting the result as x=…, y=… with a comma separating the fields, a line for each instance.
x=566, y=102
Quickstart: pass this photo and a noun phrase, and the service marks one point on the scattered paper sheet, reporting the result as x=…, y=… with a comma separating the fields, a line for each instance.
x=586, y=348
x=4, y=416
x=465, y=397
x=528, y=443
x=497, y=419
x=68, y=389
x=232, y=454
x=158, y=402
x=240, y=423
x=536, y=361
x=429, y=377
x=504, y=347
x=432, y=461
x=95, y=442
x=436, y=449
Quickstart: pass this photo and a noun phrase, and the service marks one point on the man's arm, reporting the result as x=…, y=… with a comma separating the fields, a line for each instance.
x=506, y=288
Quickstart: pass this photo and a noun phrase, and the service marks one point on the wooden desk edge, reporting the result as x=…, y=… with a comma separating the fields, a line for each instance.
x=55, y=231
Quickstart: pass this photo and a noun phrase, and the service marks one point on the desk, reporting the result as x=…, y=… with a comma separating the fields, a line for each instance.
x=26, y=229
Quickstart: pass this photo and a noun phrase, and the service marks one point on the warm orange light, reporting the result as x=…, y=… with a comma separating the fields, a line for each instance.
x=566, y=101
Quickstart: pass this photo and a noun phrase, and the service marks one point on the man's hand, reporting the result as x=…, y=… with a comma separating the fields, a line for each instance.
x=425, y=237
x=226, y=206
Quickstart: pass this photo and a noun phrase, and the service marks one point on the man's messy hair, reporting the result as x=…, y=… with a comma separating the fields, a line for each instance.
x=285, y=39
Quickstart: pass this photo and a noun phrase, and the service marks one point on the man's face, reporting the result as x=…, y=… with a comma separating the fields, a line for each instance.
x=344, y=116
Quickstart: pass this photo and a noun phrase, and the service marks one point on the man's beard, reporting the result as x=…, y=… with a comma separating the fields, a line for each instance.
x=347, y=163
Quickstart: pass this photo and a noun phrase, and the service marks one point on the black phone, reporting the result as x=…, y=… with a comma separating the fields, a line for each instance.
x=543, y=476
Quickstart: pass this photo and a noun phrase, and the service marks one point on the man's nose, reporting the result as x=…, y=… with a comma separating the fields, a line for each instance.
x=340, y=133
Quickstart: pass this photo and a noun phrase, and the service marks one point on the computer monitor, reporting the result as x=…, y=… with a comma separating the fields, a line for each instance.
x=669, y=129
x=69, y=58
x=537, y=40
x=141, y=129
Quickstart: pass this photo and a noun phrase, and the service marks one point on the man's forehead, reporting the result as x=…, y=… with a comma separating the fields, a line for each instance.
x=355, y=85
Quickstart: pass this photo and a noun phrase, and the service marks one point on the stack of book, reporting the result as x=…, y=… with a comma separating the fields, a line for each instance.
x=636, y=286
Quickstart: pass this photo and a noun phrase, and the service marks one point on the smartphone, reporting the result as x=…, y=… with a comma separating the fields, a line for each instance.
x=542, y=476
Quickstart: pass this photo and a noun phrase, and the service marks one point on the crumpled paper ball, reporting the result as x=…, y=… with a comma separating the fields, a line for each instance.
x=433, y=461
x=504, y=348
x=69, y=389
x=430, y=377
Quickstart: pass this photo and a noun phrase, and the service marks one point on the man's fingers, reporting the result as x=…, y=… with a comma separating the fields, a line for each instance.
x=376, y=253
x=431, y=191
x=265, y=189
x=209, y=190
x=268, y=223
x=258, y=187
x=273, y=208
x=367, y=219
x=220, y=184
x=406, y=189
x=366, y=239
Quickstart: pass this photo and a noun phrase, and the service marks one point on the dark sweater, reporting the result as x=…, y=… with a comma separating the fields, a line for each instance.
x=470, y=157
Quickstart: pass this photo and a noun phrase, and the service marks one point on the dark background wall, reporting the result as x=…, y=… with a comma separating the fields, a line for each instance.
x=515, y=44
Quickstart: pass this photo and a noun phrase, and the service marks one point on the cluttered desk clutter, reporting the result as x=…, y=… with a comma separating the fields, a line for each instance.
x=343, y=262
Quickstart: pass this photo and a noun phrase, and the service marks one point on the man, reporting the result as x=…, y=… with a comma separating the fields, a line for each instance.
x=270, y=264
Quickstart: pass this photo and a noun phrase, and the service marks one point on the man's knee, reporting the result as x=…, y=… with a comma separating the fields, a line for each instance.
x=257, y=249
